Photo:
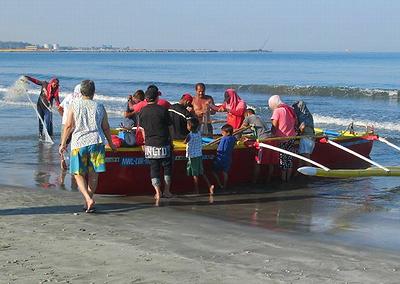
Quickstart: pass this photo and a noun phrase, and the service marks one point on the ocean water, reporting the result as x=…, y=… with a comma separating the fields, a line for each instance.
x=339, y=89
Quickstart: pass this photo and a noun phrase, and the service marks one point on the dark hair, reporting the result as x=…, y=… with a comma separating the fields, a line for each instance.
x=139, y=94
x=153, y=87
x=151, y=94
x=87, y=88
x=193, y=123
x=227, y=128
x=200, y=85
x=250, y=110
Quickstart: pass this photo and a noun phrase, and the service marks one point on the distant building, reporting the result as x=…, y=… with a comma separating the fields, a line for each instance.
x=56, y=46
x=31, y=47
x=106, y=46
x=46, y=46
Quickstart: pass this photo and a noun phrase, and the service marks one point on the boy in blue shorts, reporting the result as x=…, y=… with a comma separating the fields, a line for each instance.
x=223, y=159
x=195, y=156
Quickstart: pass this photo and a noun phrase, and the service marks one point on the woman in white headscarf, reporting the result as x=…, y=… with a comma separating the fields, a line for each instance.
x=283, y=125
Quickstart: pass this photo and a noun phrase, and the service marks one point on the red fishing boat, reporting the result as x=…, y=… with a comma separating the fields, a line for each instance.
x=128, y=172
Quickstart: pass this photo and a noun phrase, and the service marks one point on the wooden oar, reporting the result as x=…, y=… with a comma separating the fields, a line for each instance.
x=293, y=155
x=285, y=138
x=216, y=141
x=388, y=143
x=217, y=121
x=353, y=153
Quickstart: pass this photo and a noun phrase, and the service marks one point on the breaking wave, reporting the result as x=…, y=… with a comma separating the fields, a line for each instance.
x=340, y=121
x=311, y=90
x=252, y=88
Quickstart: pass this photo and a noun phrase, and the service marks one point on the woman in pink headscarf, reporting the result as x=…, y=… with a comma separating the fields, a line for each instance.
x=283, y=125
x=234, y=106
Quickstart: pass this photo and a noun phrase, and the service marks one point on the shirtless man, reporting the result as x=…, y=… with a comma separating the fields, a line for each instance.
x=201, y=103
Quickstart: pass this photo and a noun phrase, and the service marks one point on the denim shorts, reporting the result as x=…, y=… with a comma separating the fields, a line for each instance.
x=306, y=145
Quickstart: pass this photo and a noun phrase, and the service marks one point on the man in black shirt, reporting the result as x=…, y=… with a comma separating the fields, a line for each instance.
x=155, y=121
x=179, y=114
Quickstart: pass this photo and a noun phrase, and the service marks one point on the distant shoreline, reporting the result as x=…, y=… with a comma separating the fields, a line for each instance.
x=132, y=50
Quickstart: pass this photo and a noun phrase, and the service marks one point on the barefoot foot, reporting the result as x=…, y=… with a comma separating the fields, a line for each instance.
x=90, y=206
x=211, y=190
x=167, y=194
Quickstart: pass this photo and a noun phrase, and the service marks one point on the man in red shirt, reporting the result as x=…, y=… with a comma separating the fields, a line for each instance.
x=161, y=102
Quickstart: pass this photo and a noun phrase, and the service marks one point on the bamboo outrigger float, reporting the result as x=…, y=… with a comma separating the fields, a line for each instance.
x=378, y=170
x=128, y=171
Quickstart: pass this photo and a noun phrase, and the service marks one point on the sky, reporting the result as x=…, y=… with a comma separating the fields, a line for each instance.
x=278, y=25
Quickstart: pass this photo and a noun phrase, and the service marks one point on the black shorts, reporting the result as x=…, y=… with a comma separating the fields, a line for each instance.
x=156, y=164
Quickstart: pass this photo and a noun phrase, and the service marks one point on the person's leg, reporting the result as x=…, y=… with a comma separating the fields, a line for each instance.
x=83, y=188
x=270, y=171
x=96, y=164
x=285, y=161
x=215, y=174
x=284, y=168
x=155, y=177
x=256, y=172
x=196, y=184
x=40, y=110
x=210, y=129
x=93, y=178
x=79, y=168
x=209, y=185
x=225, y=175
x=167, y=166
x=289, y=172
x=48, y=120
x=289, y=164
x=167, y=189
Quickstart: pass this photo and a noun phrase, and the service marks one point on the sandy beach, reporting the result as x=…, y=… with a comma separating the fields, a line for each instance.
x=47, y=238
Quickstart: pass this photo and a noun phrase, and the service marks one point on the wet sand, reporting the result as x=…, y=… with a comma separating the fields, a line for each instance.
x=190, y=239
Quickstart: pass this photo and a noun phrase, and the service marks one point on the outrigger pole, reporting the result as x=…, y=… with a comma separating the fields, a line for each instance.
x=292, y=154
x=325, y=140
x=388, y=143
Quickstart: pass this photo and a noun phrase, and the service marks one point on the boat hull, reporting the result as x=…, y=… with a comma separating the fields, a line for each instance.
x=128, y=172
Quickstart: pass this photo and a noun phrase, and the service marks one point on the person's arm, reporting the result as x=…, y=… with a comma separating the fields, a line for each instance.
x=168, y=120
x=35, y=81
x=167, y=104
x=106, y=130
x=60, y=108
x=239, y=109
x=68, y=128
x=141, y=128
x=187, y=139
x=57, y=100
x=275, y=121
x=137, y=107
x=245, y=122
x=213, y=111
x=128, y=112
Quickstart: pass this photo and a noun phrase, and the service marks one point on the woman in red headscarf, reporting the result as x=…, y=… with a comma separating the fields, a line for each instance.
x=235, y=108
x=48, y=94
